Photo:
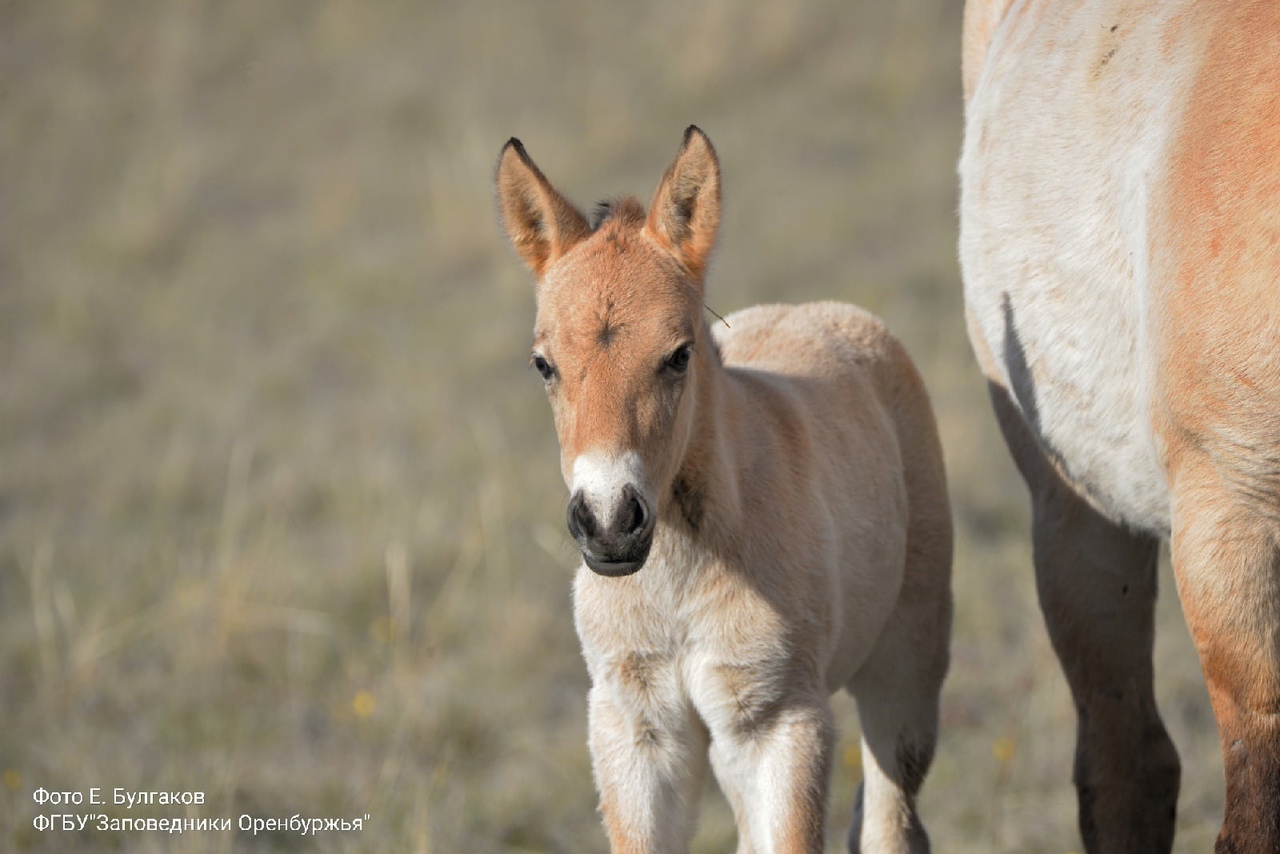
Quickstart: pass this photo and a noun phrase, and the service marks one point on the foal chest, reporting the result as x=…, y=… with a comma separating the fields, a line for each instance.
x=672, y=654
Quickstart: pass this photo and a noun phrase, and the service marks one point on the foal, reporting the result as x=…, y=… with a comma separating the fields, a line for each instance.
x=763, y=519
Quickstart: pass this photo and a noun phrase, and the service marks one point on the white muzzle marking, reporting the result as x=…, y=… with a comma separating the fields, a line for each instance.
x=601, y=478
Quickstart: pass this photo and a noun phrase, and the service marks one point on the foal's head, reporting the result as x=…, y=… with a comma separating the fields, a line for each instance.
x=619, y=338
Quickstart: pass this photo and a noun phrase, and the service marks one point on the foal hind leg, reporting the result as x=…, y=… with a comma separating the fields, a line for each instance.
x=897, y=691
x=899, y=715
x=1226, y=555
x=1097, y=587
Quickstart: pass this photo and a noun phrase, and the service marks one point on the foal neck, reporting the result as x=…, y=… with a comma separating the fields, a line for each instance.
x=705, y=491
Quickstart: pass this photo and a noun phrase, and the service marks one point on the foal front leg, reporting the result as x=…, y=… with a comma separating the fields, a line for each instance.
x=775, y=773
x=649, y=773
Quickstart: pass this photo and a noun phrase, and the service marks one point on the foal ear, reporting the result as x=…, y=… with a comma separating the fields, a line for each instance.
x=685, y=212
x=541, y=224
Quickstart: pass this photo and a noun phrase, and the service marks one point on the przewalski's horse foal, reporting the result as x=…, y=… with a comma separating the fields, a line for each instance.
x=1120, y=238
x=763, y=518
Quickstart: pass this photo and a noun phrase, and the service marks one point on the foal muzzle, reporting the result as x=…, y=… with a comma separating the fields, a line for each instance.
x=620, y=545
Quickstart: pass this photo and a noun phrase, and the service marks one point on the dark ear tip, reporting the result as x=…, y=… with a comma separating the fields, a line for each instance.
x=517, y=146
x=693, y=132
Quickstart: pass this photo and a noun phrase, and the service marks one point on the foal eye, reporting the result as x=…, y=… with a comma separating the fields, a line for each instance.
x=543, y=367
x=678, y=362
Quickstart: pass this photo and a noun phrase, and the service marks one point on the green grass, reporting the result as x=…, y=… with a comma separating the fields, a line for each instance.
x=280, y=509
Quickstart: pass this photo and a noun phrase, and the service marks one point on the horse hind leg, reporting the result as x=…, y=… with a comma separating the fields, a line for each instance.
x=1226, y=557
x=1097, y=587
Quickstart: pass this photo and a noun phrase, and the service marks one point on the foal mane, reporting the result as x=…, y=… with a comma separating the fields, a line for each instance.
x=624, y=210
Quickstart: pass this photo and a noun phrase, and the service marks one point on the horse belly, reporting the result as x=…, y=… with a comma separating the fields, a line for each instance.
x=1066, y=126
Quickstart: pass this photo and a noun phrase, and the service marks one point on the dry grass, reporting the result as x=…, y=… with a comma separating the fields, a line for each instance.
x=280, y=515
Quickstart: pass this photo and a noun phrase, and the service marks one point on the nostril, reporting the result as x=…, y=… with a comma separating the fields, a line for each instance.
x=637, y=509
x=581, y=522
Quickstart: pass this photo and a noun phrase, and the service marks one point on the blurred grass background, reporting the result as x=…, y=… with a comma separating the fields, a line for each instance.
x=280, y=511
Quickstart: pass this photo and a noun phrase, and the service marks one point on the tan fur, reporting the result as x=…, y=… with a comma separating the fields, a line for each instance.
x=1121, y=250
x=800, y=539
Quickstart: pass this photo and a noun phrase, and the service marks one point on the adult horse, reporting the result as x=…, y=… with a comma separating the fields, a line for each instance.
x=1120, y=242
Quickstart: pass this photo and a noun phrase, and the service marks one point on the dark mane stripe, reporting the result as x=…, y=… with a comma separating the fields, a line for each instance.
x=627, y=210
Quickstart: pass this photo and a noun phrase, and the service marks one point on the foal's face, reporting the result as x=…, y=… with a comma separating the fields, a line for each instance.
x=618, y=338
x=616, y=335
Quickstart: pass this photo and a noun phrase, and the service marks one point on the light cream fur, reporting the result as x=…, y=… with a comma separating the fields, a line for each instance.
x=1120, y=243
x=802, y=534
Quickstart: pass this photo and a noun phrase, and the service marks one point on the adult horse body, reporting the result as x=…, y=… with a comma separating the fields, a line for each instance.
x=1120, y=243
x=763, y=519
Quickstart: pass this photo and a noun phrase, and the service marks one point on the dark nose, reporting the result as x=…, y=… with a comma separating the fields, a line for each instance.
x=631, y=517
x=621, y=546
